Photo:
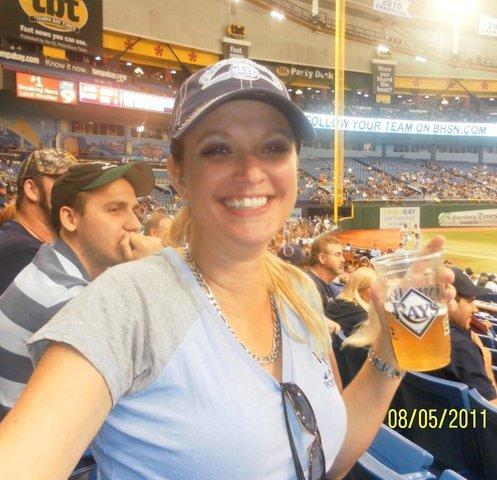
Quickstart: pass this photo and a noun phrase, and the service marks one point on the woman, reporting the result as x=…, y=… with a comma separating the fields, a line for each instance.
x=350, y=308
x=210, y=361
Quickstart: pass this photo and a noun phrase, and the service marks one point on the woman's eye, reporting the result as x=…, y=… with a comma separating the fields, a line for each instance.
x=276, y=147
x=218, y=149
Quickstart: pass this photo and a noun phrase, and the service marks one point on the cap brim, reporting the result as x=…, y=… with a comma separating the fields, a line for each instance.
x=139, y=174
x=301, y=125
x=481, y=291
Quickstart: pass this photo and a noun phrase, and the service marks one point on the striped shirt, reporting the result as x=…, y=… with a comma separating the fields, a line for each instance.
x=38, y=292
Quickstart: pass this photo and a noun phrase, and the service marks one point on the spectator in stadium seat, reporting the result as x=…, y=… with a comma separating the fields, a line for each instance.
x=482, y=279
x=326, y=263
x=401, y=249
x=93, y=212
x=293, y=254
x=375, y=251
x=491, y=285
x=173, y=363
x=351, y=307
x=158, y=225
x=470, y=361
x=21, y=237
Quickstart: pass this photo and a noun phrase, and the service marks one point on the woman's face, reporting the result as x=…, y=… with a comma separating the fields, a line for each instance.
x=239, y=172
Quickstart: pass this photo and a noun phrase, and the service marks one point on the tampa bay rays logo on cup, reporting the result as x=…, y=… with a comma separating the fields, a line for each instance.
x=415, y=311
x=239, y=69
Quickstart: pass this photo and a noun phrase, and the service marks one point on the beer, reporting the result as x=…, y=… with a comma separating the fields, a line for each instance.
x=422, y=353
x=415, y=310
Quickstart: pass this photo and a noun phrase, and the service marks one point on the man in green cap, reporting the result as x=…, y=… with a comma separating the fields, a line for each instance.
x=94, y=208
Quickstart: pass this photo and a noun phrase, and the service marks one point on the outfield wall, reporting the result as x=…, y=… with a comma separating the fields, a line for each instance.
x=384, y=216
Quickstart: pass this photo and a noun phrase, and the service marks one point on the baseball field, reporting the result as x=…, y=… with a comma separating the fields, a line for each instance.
x=466, y=247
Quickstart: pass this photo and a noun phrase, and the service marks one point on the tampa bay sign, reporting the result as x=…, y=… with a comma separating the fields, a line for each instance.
x=59, y=15
x=66, y=24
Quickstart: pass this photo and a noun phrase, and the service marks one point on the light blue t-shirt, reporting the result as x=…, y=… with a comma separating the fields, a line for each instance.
x=189, y=402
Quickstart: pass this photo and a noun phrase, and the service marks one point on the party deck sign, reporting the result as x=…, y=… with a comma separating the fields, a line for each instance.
x=66, y=24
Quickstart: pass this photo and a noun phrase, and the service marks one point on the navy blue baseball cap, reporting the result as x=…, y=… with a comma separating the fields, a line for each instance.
x=234, y=79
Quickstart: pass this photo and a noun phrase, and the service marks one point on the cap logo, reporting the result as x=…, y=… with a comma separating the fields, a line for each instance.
x=239, y=69
x=104, y=165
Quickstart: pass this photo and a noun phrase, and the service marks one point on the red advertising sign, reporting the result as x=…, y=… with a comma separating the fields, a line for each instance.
x=117, y=97
x=46, y=89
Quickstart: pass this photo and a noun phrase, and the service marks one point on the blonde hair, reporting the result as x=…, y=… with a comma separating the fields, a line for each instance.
x=7, y=213
x=368, y=330
x=360, y=279
x=281, y=279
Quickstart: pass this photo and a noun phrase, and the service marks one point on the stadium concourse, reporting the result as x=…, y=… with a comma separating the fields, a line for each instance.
x=189, y=381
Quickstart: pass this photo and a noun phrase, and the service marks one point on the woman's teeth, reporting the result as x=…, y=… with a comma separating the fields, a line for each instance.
x=246, y=203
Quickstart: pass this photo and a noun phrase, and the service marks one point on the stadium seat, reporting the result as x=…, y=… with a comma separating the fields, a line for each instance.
x=452, y=447
x=493, y=352
x=369, y=468
x=401, y=455
x=451, y=475
x=487, y=341
x=486, y=435
x=85, y=470
x=491, y=298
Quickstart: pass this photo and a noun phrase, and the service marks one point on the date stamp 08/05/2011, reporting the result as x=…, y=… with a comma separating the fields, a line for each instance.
x=451, y=418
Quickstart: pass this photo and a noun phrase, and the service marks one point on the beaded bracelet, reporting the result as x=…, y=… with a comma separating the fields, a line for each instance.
x=383, y=367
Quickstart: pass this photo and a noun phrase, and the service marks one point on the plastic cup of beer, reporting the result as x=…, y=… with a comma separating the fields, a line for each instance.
x=416, y=312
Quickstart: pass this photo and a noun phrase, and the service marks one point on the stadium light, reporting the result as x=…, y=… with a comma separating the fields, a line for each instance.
x=491, y=99
x=456, y=9
x=298, y=91
x=444, y=101
x=399, y=96
x=173, y=72
x=366, y=95
x=277, y=15
x=140, y=128
x=457, y=98
x=98, y=57
x=290, y=90
x=382, y=49
x=309, y=88
x=128, y=64
x=427, y=96
x=359, y=92
x=419, y=58
x=139, y=71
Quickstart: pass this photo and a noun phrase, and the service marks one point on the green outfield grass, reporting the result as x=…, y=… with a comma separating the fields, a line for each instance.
x=475, y=249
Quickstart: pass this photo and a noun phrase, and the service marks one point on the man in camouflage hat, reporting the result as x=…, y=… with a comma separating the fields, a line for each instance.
x=21, y=237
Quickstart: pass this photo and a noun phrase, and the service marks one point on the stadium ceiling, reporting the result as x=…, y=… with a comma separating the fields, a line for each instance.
x=422, y=11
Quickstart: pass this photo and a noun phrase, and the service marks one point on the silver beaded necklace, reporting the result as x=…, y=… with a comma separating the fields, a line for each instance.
x=276, y=320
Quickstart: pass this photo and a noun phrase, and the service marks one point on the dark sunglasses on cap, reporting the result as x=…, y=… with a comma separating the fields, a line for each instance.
x=293, y=394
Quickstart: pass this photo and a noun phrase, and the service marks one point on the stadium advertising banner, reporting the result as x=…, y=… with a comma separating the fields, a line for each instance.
x=117, y=97
x=383, y=77
x=67, y=24
x=395, y=217
x=31, y=61
x=411, y=127
x=469, y=218
x=47, y=89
